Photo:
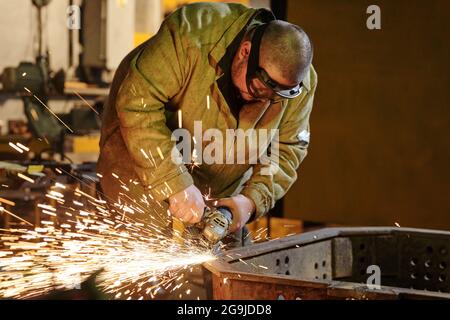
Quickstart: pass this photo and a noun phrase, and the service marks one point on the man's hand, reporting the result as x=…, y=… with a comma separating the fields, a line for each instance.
x=187, y=205
x=241, y=207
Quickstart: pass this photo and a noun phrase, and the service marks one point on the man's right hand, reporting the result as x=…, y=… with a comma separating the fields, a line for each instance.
x=187, y=205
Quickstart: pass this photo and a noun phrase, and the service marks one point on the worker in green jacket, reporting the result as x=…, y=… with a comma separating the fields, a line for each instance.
x=227, y=67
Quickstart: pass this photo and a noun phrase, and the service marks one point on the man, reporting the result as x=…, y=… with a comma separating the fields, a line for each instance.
x=200, y=66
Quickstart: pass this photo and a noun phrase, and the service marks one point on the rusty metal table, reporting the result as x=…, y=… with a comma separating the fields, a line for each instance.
x=336, y=263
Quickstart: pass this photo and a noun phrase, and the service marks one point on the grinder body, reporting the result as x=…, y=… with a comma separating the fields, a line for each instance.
x=214, y=226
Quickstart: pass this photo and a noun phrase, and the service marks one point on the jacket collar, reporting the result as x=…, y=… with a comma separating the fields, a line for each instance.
x=307, y=80
x=220, y=48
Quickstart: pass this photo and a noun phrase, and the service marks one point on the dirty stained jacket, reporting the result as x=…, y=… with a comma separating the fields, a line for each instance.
x=176, y=70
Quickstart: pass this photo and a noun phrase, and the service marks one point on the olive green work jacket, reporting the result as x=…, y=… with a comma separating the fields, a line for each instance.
x=178, y=69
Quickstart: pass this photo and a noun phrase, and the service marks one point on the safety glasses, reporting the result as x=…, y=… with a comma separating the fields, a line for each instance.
x=255, y=71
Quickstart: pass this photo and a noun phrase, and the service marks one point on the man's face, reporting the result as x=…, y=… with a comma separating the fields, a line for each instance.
x=261, y=91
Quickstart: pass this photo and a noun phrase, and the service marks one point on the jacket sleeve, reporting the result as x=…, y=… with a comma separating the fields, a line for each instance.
x=155, y=75
x=270, y=182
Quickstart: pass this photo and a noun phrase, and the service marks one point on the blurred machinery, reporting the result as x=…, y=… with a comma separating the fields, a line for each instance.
x=105, y=42
x=34, y=82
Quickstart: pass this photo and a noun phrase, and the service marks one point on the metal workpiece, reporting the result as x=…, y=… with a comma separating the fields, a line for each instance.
x=338, y=263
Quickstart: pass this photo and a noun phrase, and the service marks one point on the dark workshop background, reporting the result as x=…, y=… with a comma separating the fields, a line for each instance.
x=380, y=135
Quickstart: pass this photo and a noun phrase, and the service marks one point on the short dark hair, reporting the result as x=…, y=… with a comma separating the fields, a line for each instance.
x=287, y=47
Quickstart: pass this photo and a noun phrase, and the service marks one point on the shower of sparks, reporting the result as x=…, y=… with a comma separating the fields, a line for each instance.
x=160, y=153
x=80, y=236
x=87, y=103
x=12, y=145
x=48, y=109
x=34, y=115
x=152, y=158
x=207, y=196
x=260, y=235
x=24, y=177
x=25, y=148
x=194, y=164
x=180, y=119
x=7, y=202
x=397, y=224
x=4, y=211
x=208, y=103
x=144, y=154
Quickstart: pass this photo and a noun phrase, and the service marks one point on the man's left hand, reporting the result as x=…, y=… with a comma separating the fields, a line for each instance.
x=241, y=207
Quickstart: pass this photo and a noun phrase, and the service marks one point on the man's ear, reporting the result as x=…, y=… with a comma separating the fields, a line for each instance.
x=244, y=50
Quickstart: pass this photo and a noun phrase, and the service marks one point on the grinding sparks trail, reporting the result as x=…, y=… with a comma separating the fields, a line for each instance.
x=48, y=109
x=135, y=259
x=125, y=243
x=87, y=103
